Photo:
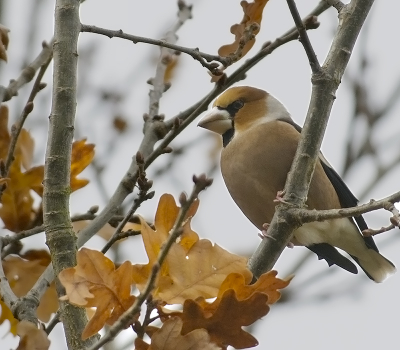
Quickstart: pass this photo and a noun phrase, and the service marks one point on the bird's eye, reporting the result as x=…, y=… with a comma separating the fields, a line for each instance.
x=234, y=107
x=237, y=104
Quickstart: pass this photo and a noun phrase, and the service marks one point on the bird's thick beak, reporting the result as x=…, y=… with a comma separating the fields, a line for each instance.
x=217, y=120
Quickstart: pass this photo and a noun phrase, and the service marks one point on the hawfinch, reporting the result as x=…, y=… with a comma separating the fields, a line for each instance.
x=259, y=143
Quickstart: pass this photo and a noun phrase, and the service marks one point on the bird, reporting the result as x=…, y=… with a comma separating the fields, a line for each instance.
x=259, y=140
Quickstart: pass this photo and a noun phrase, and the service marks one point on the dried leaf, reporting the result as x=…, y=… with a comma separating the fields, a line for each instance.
x=198, y=272
x=120, y=124
x=94, y=282
x=171, y=68
x=252, y=13
x=17, y=211
x=17, y=202
x=225, y=324
x=169, y=338
x=81, y=156
x=166, y=215
x=3, y=42
x=32, y=338
x=267, y=284
x=23, y=272
x=6, y=314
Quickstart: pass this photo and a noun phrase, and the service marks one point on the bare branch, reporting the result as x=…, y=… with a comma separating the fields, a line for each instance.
x=27, y=74
x=304, y=39
x=305, y=215
x=203, y=58
x=60, y=236
x=6, y=293
x=17, y=127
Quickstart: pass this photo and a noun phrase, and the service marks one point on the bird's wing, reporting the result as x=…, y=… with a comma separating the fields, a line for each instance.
x=346, y=197
x=332, y=256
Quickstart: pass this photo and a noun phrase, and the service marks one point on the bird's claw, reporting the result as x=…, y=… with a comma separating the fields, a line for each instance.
x=279, y=197
x=263, y=234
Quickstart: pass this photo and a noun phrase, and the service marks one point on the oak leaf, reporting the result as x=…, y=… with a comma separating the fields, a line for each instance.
x=94, y=282
x=81, y=156
x=252, y=13
x=225, y=325
x=198, y=272
x=32, y=338
x=166, y=214
x=17, y=211
x=17, y=202
x=169, y=337
x=23, y=272
x=6, y=314
x=3, y=42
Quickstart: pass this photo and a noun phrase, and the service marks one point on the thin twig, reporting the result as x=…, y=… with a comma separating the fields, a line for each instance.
x=53, y=322
x=144, y=195
x=17, y=127
x=200, y=184
x=6, y=293
x=205, y=59
x=27, y=74
x=304, y=39
x=305, y=215
x=337, y=4
x=166, y=56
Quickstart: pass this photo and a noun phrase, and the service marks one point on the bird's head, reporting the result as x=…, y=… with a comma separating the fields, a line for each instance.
x=240, y=108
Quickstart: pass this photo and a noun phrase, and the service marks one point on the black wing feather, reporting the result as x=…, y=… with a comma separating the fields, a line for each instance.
x=332, y=256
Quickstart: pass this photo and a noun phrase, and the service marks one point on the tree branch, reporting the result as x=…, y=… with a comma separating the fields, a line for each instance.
x=324, y=88
x=27, y=74
x=60, y=236
x=304, y=39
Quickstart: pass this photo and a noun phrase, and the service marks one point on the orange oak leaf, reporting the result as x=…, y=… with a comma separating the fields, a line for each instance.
x=267, y=284
x=252, y=13
x=171, y=68
x=94, y=282
x=225, y=325
x=32, y=338
x=153, y=240
x=81, y=156
x=6, y=314
x=23, y=272
x=17, y=211
x=169, y=337
x=3, y=42
x=198, y=272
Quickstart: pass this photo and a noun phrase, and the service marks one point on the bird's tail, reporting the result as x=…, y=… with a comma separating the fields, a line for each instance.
x=376, y=266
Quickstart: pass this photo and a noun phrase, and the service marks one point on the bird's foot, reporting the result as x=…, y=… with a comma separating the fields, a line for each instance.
x=263, y=234
x=279, y=197
x=290, y=245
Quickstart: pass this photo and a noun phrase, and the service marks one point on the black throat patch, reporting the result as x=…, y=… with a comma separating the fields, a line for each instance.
x=227, y=136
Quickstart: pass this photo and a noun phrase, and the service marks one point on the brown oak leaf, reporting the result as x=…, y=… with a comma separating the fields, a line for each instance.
x=169, y=337
x=32, y=338
x=94, y=282
x=225, y=325
x=153, y=240
x=252, y=13
x=23, y=272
